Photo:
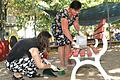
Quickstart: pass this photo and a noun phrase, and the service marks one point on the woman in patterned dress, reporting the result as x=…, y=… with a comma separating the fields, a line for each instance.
x=60, y=29
x=25, y=56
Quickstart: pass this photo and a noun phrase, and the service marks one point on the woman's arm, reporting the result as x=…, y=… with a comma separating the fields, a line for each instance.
x=76, y=25
x=37, y=59
x=64, y=24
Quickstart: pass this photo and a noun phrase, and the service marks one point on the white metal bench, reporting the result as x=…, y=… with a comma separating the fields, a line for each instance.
x=91, y=52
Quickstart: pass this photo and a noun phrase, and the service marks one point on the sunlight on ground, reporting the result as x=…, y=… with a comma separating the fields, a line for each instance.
x=115, y=70
x=117, y=46
x=3, y=72
x=115, y=49
x=80, y=74
x=91, y=73
x=110, y=71
x=109, y=50
x=115, y=77
x=2, y=69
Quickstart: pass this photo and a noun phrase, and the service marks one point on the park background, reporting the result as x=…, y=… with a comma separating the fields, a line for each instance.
x=26, y=18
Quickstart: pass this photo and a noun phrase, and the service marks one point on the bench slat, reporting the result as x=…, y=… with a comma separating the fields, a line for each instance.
x=100, y=30
x=98, y=36
x=102, y=22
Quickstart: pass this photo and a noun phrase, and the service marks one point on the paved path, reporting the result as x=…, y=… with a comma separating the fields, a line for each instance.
x=110, y=62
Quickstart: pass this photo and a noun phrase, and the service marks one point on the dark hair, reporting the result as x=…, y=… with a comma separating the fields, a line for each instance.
x=75, y=5
x=13, y=41
x=43, y=40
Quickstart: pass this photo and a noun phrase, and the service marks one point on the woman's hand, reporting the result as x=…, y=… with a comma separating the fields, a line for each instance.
x=75, y=45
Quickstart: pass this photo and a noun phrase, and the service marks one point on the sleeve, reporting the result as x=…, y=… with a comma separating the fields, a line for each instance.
x=64, y=14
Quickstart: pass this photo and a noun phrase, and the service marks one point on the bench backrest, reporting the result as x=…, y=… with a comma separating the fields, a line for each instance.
x=99, y=29
x=98, y=34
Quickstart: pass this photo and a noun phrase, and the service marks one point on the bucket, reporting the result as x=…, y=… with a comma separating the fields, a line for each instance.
x=81, y=41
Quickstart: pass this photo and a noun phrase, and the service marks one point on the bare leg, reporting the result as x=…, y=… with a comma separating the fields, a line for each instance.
x=67, y=50
x=17, y=75
x=61, y=52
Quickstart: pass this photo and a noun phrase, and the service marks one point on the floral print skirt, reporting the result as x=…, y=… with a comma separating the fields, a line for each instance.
x=61, y=40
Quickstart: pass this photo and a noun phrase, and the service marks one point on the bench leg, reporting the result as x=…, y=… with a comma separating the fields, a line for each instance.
x=102, y=71
x=96, y=64
x=73, y=75
x=78, y=65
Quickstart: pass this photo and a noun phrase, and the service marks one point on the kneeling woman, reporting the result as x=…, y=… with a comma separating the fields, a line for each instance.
x=24, y=58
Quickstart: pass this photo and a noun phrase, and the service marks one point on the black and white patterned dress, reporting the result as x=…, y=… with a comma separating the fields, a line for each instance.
x=24, y=65
x=56, y=28
x=20, y=60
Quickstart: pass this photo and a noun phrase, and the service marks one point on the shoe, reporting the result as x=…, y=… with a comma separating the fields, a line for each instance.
x=19, y=78
x=49, y=73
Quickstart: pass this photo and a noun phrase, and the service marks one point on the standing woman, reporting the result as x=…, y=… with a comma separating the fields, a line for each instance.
x=60, y=29
x=24, y=58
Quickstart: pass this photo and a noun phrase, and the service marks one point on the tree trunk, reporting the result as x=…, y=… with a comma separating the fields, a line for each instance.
x=1, y=21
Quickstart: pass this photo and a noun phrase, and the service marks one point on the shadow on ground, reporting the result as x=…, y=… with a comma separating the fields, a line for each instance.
x=110, y=62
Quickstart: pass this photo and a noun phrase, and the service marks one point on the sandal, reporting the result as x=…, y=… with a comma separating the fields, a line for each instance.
x=49, y=73
x=15, y=78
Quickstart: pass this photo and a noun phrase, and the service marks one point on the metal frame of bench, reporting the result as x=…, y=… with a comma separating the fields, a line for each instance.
x=96, y=61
